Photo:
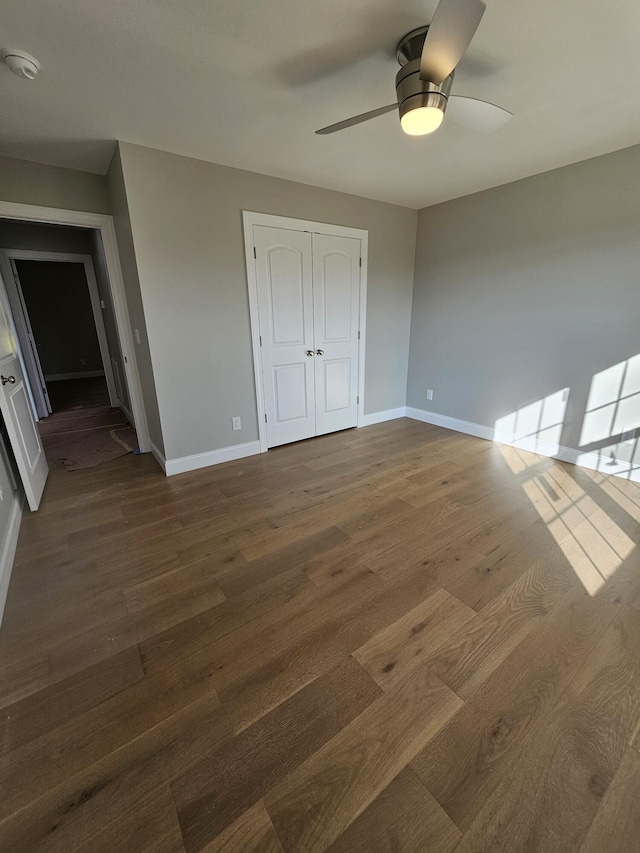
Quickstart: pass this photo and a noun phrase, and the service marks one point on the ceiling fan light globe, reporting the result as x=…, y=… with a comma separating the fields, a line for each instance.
x=421, y=120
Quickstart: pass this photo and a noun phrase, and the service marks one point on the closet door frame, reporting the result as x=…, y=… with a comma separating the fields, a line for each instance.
x=251, y=218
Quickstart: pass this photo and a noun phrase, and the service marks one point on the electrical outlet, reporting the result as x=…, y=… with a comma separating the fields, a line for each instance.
x=629, y=435
x=1, y=495
x=429, y=394
x=82, y=361
x=102, y=305
x=236, y=423
x=136, y=332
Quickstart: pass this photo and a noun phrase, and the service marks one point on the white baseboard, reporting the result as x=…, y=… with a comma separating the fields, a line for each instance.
x=9, y=550
x=592, y=461
x=83, y=374
x=212, y=457
x=380, y=417
x=455, y=424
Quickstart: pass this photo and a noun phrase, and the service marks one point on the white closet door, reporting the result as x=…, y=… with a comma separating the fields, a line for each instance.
x=285, y=305
x=336, y=291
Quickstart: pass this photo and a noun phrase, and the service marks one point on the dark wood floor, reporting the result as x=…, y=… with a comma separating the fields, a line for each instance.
x=390, y=639
x=85, y=393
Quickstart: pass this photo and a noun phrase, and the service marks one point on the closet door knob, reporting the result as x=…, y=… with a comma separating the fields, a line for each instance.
x=320, y=352
x=309, y=352
x=10, y=379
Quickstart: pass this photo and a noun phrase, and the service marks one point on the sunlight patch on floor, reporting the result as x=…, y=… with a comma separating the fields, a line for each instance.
x=592, y=542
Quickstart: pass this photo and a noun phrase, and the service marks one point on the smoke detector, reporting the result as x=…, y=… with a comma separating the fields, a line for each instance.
x=21, y=63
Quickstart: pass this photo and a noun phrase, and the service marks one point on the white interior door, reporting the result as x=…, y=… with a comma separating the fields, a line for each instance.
x=285, y=306
x=18, y=417
x=35, y=374
x=336, y=292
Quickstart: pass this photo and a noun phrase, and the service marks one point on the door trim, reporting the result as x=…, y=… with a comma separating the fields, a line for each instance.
x=94, y=297
x=251, y=218
x=103, y=223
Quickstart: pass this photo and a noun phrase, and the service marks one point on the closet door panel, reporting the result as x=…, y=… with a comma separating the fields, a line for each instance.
x=336, y=288
x=285, y=305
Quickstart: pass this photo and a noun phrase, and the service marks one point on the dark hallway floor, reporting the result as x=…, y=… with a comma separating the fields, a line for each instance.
x=84, y=429
x=86, y=393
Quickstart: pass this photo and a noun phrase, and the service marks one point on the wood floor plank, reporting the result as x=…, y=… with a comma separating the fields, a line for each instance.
x=404, y=818
x=617, y=822
x=553, y=793
x=254, y=678
x=29, y=718
x=421, y=554
x=70, y=807
x=19, y=680
x=241, y=578
x=317, y=802
x=252, y=832
x=193, y=638
x=85, y=738
x=476, y=649
x=492, y=575
x=478, y=748
x=151, y=827
x=196, y=582
x=214, y=792
x=393, y=652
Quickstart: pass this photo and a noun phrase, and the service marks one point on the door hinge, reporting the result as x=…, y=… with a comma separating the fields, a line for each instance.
x=254, y=253
x=260, y=340
x=360, y=263
x=265, y=417
x=358, y=399
x=358, y=334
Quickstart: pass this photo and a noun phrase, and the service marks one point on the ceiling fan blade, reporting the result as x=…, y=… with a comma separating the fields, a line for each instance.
x=349, y=122
x=453, y=26
x=473, y=114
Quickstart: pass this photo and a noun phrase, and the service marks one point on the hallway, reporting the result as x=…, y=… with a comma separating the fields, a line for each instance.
x=84, y=430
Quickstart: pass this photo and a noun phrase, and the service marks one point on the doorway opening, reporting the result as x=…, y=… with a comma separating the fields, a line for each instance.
x=70, y=389
x=65, y=326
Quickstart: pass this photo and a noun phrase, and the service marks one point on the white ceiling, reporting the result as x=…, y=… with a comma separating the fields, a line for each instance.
x=247, y=82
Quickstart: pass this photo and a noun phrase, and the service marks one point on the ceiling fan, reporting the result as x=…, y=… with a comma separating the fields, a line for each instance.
x=428, y=57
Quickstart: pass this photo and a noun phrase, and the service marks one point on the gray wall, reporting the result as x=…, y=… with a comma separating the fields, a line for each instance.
x=59, y=308
x=186, y=219
x=527, y=289
x=24, y=182
x=122, y=222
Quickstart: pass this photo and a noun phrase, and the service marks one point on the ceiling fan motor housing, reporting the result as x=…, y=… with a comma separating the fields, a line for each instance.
x=413, y=92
